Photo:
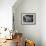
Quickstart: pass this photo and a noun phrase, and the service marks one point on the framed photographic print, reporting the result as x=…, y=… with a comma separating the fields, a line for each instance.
x=28, y=18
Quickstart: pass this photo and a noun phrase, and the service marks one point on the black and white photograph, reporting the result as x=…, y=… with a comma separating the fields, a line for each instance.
x=28, y=18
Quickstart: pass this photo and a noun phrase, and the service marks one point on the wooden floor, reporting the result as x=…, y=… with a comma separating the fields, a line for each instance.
x=9, y=43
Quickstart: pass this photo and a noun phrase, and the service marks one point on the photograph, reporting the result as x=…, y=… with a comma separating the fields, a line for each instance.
x=22, y=22
x=28, y=18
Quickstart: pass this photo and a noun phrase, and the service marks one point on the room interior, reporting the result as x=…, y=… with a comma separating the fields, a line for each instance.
x=22, y=23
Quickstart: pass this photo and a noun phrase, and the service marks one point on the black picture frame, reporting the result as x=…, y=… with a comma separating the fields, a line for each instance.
x=28, y=18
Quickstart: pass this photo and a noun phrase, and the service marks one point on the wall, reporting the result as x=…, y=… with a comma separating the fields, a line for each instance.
x=29, y=31
x=43, y=22
x=6, y=13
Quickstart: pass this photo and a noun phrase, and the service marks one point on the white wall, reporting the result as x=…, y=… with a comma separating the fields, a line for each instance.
x=39, y=7
x=30, y=31
x=43, y=22
x=6, y=13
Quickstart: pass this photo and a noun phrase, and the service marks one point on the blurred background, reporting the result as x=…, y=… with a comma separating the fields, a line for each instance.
x=7, y=8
